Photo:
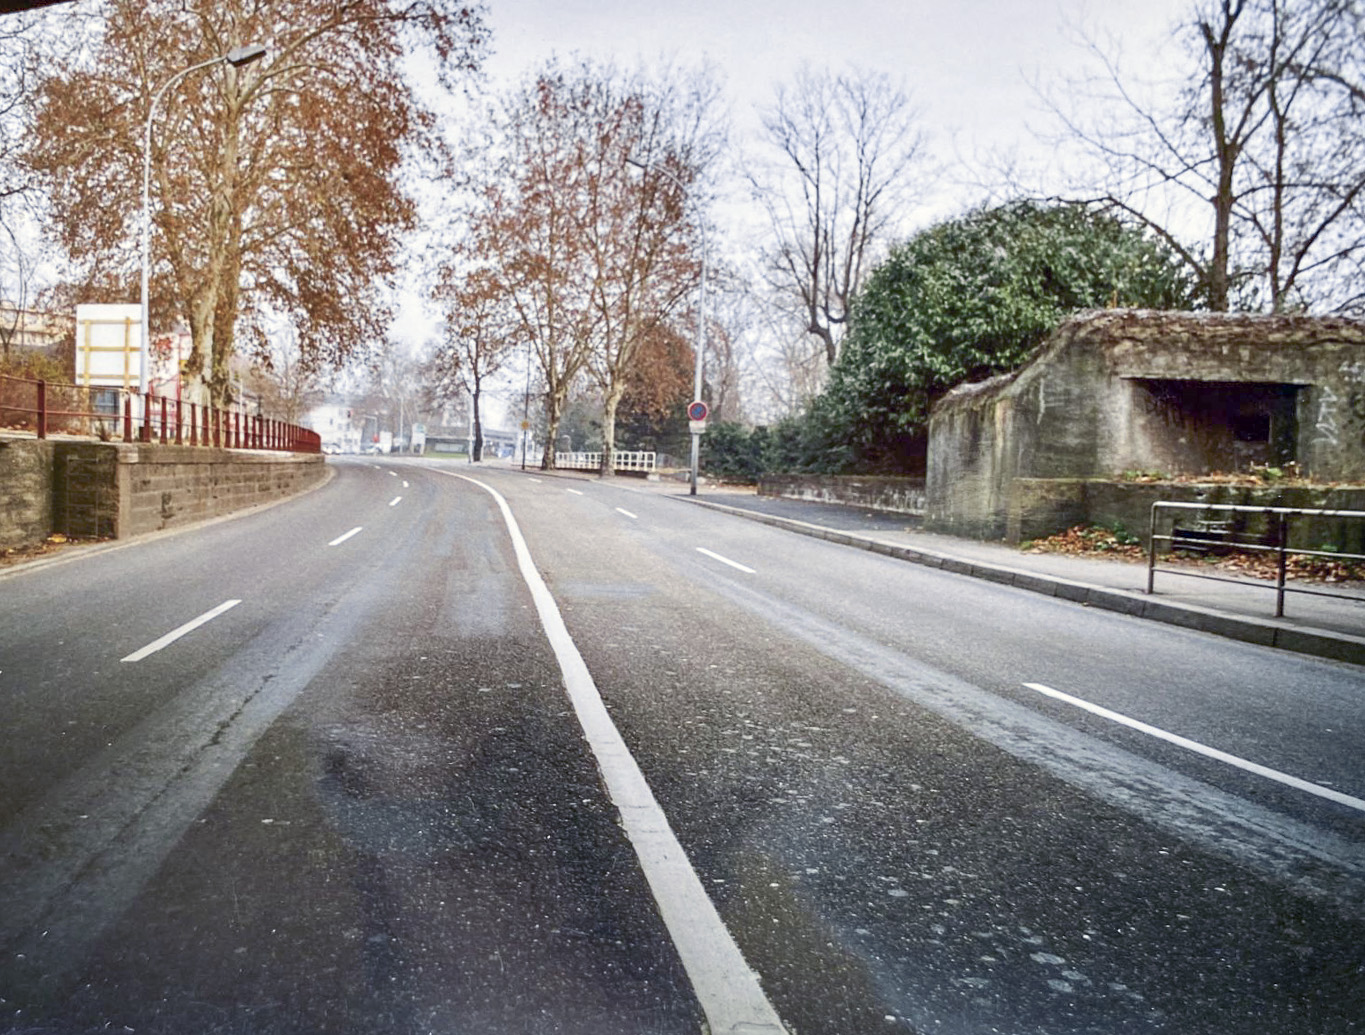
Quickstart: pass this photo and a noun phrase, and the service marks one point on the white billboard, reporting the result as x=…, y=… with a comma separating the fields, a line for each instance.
x=109, y=346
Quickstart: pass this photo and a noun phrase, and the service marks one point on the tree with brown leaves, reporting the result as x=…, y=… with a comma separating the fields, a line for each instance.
x=589, y=255
x=276, y=188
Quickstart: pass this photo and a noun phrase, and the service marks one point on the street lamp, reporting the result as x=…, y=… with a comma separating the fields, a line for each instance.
x=701, y=316
x=236, y=57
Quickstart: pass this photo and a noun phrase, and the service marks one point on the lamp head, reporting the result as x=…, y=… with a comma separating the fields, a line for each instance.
x=245, y=55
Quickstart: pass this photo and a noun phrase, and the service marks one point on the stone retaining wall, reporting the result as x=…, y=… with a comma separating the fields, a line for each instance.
x=874, y=492
x=26, y=493
x=117, y=490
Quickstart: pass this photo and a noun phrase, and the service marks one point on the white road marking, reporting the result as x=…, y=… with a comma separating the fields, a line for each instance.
x=536, y=480
x=725, y=560
x=622, y=510
x=405, y=485
x=393, y=474
x=394, y=502
x=175, y=634
x=1204, y=749
x=574, y=491
x=342, y=538
x=726, y=986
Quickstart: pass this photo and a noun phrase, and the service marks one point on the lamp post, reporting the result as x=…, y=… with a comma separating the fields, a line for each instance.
x=701, y=318
x=236, y=57
x=526, y=410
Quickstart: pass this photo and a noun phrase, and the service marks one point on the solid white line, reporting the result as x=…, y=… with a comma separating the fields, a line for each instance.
x=394, y=502
x=725, y=560
x=726, y=986
x=622, y=510
x=1204, y=749
x=342, y=538
x=175, y=634
x=574, y=491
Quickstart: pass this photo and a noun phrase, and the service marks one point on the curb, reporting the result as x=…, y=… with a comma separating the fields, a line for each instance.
x=1263, y=632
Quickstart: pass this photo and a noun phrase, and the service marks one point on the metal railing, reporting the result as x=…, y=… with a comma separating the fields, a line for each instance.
x=116, y=414
x=620, y=461
x=1204, y=536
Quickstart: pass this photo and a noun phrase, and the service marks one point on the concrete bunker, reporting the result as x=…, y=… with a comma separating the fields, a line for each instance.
x=1114, y=393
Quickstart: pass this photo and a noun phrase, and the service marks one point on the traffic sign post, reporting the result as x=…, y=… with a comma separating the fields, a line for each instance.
x=697, y=412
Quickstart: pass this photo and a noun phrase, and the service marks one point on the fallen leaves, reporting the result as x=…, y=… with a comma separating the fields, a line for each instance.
x=1090, y=541
x=1110, y=544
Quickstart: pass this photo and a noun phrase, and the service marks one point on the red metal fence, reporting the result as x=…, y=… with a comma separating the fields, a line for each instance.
x=114, y=414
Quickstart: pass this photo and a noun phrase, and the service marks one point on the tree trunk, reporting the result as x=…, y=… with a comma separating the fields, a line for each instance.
x=609, y=405
x=1226, y=152
x=478, y=425
x=554, y=412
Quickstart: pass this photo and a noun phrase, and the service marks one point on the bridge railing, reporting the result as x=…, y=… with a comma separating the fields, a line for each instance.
x=621, y=461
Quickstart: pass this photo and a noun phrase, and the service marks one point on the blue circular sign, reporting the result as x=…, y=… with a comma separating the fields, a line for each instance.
x=697, y=411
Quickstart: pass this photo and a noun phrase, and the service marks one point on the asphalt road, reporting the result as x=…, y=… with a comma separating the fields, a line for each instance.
x=718, y=772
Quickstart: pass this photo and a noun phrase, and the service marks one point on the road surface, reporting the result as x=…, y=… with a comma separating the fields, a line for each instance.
x=421, y=753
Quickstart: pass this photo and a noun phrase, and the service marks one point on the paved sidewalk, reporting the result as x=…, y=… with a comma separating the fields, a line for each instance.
x=1330, y=627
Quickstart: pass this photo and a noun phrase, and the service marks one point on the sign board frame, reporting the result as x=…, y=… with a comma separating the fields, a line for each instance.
x=109, y=346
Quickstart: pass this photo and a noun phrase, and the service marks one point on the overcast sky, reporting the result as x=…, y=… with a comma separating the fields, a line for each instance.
x=964, y=61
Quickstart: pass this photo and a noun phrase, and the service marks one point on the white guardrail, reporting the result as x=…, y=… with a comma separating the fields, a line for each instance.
x=620, y=461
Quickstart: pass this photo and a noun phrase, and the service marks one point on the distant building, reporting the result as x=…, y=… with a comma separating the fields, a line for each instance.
x=1126, y=390
x=333, y=421
x=25, y=328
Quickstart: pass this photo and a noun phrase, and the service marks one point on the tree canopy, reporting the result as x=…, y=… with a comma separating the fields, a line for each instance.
x=971, y=297
x=1260, y=154
x=276, y=188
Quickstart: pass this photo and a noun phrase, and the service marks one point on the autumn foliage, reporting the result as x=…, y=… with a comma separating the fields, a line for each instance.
x=275, y=187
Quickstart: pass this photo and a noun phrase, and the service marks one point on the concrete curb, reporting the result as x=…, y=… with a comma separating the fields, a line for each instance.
x=1265, y=632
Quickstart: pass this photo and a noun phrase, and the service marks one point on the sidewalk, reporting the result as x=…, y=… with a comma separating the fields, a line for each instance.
x=1329, y=627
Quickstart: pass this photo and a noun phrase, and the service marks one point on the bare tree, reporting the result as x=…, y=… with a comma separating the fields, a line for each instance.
x=843, y=161
x=478, y=340
x=1267, y=140
x=287, y=381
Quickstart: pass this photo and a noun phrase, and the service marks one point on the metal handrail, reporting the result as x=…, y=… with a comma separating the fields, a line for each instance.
x=1280, y=516
x=147, y=417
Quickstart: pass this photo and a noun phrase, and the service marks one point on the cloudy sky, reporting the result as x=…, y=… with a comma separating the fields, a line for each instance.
x=966, y=62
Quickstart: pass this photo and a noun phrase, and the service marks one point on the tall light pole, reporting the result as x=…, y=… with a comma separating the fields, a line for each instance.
x=701, y=316
x=526, y=410
x=236, y=57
